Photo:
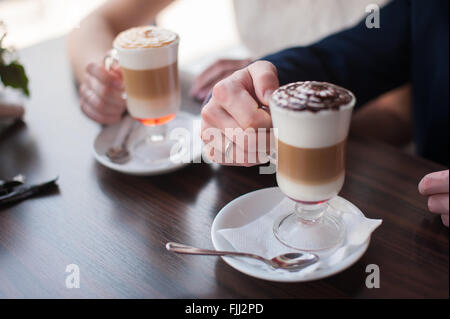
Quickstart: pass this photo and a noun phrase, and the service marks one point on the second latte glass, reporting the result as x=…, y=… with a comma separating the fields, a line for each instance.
x=311, y=122
x=148, y=59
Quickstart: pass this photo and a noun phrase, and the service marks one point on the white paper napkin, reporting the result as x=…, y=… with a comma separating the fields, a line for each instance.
x=257, y=236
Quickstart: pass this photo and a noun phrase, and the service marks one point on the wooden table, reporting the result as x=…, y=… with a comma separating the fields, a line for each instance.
x=114, y=226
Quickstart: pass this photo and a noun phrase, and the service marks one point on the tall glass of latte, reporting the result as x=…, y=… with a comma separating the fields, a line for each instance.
x=311, y=121
x=148, y=57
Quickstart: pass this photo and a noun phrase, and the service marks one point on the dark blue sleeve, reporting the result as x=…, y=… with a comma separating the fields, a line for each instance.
x=367, y=61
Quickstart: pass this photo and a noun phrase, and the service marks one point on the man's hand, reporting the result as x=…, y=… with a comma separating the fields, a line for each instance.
x=435, y=186
x=101, y=94
x=213, y=74
x=233, y=115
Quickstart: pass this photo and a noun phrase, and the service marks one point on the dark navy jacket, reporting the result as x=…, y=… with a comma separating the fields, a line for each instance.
x=411, y=45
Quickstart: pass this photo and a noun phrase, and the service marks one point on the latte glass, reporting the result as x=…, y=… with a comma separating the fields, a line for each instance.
x=148, y=59
x=310, y=160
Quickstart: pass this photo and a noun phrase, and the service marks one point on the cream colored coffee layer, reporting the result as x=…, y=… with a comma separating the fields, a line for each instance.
x=153, y=108
x=307, y=192
x=311, y=130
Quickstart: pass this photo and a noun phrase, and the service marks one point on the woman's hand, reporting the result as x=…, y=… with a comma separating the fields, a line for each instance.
x=435, y=186
x=213, y=74
x=101, y=94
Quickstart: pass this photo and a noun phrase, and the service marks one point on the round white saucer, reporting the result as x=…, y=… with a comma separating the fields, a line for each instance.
x=251, y=206
x=184, y=123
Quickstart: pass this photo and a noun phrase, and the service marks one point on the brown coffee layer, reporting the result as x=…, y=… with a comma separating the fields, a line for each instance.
x=151, y=83
x=311, y=165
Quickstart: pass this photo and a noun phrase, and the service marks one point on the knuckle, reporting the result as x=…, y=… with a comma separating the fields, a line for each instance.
x=220, y=90
x=271, y=67
x=265, y=64
x=238, y=76
x=266, y=76
x=206, y=113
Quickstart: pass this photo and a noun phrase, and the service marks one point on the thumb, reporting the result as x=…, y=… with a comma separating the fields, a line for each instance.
x=265, y=80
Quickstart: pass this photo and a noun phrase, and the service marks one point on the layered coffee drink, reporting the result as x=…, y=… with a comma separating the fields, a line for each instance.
x=312, y=121
x=148, y=58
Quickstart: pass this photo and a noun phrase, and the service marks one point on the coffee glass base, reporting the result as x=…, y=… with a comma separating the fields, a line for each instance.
x=310, y=228
x=155, y=147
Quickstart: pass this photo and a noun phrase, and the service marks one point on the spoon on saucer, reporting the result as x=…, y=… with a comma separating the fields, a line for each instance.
x=290, y=261
x=118, y=152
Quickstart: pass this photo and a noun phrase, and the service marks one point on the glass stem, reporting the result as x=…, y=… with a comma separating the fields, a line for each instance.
x=310, y=213
x=156, y=133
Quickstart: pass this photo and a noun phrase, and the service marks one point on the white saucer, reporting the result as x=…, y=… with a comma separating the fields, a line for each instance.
x=256, y=204
x=136, y=166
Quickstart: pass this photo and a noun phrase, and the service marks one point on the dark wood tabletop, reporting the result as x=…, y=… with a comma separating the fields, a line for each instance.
x=115, y=226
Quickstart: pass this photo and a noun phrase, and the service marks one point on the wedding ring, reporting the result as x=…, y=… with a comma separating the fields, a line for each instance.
x=228, y=149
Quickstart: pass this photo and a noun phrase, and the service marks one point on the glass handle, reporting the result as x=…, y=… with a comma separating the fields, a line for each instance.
x=110, y=58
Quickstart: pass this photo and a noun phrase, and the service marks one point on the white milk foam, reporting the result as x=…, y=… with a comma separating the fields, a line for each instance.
x=306, y=129
x=138, y=51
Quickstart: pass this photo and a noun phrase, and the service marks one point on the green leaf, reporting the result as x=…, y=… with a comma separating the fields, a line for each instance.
x=14, y=75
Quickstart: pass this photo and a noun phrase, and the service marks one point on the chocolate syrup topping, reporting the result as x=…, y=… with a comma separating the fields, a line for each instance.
x=311, y=96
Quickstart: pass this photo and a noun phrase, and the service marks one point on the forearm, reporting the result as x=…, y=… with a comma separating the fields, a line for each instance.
x=94, y=37
x=86, y=46
x=368, y=62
